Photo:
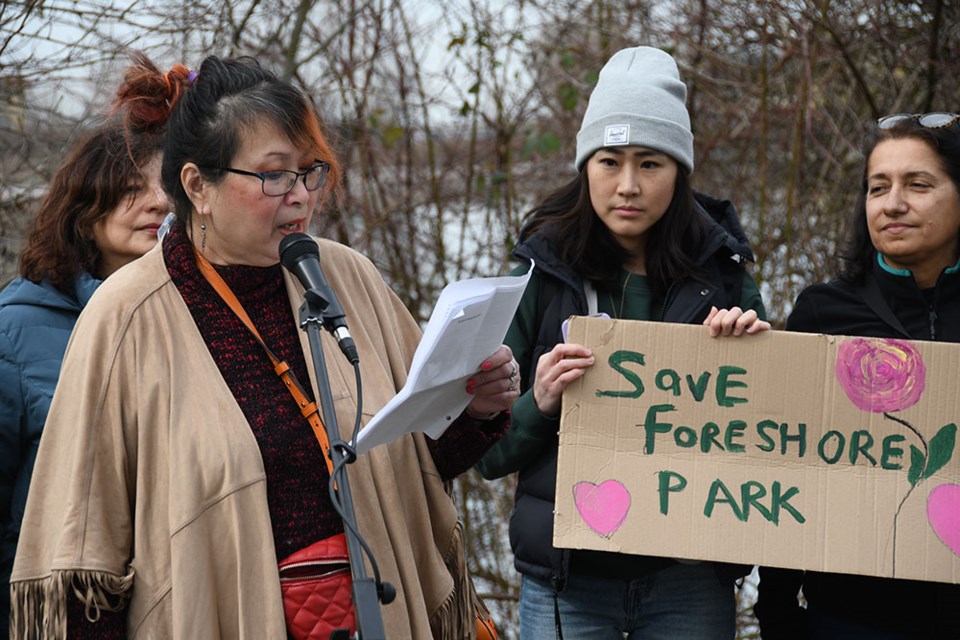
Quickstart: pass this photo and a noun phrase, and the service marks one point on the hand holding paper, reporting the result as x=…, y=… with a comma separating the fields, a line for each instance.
x=495, y=386
x=467, y=325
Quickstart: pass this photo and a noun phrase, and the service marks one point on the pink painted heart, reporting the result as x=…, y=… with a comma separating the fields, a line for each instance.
x=943, y=513
x=603, y=507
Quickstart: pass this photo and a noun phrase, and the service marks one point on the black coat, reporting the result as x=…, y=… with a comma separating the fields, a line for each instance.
x=913, y=608
x=531, y=524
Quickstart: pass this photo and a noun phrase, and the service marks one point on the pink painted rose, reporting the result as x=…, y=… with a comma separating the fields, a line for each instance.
x=880, y=375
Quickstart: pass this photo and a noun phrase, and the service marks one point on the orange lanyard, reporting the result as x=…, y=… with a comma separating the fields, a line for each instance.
x=280, y=367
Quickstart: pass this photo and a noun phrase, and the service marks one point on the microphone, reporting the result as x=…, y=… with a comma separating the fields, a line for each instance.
x=300, y=255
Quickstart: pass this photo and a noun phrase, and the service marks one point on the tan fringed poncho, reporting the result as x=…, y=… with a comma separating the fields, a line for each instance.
x=149, y=490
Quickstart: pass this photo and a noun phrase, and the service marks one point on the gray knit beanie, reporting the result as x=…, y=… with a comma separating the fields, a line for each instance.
x=639, y=100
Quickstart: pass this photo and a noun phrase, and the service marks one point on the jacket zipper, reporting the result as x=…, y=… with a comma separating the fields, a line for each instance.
x=668, y=299
x=932, y=309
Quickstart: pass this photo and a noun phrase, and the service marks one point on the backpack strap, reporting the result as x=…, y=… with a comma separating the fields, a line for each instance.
x=591, y=292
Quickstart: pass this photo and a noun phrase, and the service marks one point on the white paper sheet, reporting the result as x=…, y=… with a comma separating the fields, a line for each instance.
x=467, y=325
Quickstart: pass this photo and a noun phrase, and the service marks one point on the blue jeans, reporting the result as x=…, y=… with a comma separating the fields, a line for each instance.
x=684, y=601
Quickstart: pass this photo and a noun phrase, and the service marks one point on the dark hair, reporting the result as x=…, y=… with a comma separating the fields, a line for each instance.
x=96, y=176
x=584, y=243
x=228, y=97
x=92, y=182
x=858, y=253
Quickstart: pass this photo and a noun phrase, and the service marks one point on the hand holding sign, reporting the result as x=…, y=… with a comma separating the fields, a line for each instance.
x=748, y=452
x=555, y=370
x=734, y=322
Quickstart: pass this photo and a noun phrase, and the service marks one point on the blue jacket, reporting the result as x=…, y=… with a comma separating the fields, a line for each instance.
x=35, y=325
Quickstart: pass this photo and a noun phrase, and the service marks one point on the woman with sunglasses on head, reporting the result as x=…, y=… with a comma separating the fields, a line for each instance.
x=101, y=211
x=630, y=234
x=177, y=470
x=899, y=278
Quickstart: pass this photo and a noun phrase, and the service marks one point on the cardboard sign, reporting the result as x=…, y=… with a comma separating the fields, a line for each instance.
x=796, y=450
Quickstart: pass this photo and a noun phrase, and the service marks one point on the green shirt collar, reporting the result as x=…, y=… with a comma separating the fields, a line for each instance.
x=906, y=272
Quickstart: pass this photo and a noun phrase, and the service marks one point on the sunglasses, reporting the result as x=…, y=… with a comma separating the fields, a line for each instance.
x=936, y=120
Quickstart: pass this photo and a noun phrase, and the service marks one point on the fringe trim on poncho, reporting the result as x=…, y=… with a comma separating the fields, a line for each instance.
x=456, y=617
x=38, y=608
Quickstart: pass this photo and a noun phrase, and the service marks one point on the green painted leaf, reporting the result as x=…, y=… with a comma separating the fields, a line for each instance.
x=916, y=465
x=941, y=449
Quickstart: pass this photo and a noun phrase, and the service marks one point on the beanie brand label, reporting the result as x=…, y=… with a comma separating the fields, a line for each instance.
x=616, y=134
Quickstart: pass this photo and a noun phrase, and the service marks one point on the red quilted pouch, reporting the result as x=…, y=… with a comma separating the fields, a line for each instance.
x=316, y=586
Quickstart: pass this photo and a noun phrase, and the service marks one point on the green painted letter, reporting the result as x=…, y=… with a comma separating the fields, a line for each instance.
x=821, y=448
x=728, y=498
x=685, y=437
x=782, y=501
x=698, y=388
x=653, y=427
x=734, y=431
x=669, y=482
x=750, y=494
x=857, y=447
x=616, y=361
x=724, y=383
x=800, y=438
x=708, y=437
x=668, y=380
x=768, y=443
x=890, y=451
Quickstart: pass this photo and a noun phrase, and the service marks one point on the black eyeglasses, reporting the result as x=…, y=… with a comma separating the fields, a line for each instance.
x=936, y=120
x=281, y=181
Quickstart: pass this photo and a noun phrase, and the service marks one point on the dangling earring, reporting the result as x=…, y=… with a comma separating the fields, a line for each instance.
x=203, y=236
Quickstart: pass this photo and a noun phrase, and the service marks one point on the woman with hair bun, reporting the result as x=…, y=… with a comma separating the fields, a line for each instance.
x=101, y=211
x=176, y=469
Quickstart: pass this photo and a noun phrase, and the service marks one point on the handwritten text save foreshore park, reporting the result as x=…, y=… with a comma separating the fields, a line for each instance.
x=784, y=449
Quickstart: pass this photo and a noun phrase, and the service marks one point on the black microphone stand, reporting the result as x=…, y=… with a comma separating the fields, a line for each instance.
x=366, y=596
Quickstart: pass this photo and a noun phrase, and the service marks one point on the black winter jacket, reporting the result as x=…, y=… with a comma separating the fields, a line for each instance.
x=913, y=608
x=531, y=524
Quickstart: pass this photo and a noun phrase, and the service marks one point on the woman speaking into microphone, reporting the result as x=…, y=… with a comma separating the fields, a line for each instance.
x=176, y=469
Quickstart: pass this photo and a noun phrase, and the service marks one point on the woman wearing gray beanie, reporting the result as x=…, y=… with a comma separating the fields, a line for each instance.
x=627, y=237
